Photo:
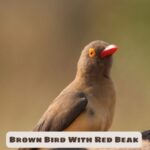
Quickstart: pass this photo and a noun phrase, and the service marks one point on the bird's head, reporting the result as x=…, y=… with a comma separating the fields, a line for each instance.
x=96, y=59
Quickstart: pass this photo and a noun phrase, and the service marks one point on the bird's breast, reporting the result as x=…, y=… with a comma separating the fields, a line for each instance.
x=99, y=111
x=93, y=119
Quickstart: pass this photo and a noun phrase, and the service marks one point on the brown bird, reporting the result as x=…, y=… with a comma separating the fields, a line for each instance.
x=87, y=103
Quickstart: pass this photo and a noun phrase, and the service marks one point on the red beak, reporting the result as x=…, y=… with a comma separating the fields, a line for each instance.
x=109, y=50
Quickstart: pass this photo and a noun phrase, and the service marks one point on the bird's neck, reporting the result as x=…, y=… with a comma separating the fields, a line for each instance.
x=91, y=78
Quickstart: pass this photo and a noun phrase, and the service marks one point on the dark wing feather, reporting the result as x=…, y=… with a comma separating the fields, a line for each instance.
x=62, y=112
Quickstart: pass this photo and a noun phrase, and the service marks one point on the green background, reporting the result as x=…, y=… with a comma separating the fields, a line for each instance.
x=40, y=43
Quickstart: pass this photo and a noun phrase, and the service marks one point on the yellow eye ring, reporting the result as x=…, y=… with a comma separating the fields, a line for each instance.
x=92, y=52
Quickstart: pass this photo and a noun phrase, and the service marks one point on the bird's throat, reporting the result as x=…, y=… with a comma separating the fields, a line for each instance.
x=92, y=78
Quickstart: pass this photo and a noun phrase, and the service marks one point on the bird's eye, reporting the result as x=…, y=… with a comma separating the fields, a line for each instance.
x=92, y=52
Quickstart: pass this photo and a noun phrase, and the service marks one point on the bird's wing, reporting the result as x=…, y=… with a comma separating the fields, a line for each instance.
x=62, y=112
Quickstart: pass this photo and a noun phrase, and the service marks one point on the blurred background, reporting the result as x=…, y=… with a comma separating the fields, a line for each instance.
x=41, y=41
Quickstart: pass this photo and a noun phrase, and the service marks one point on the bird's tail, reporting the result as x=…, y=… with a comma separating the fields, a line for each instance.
x=146, y=135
